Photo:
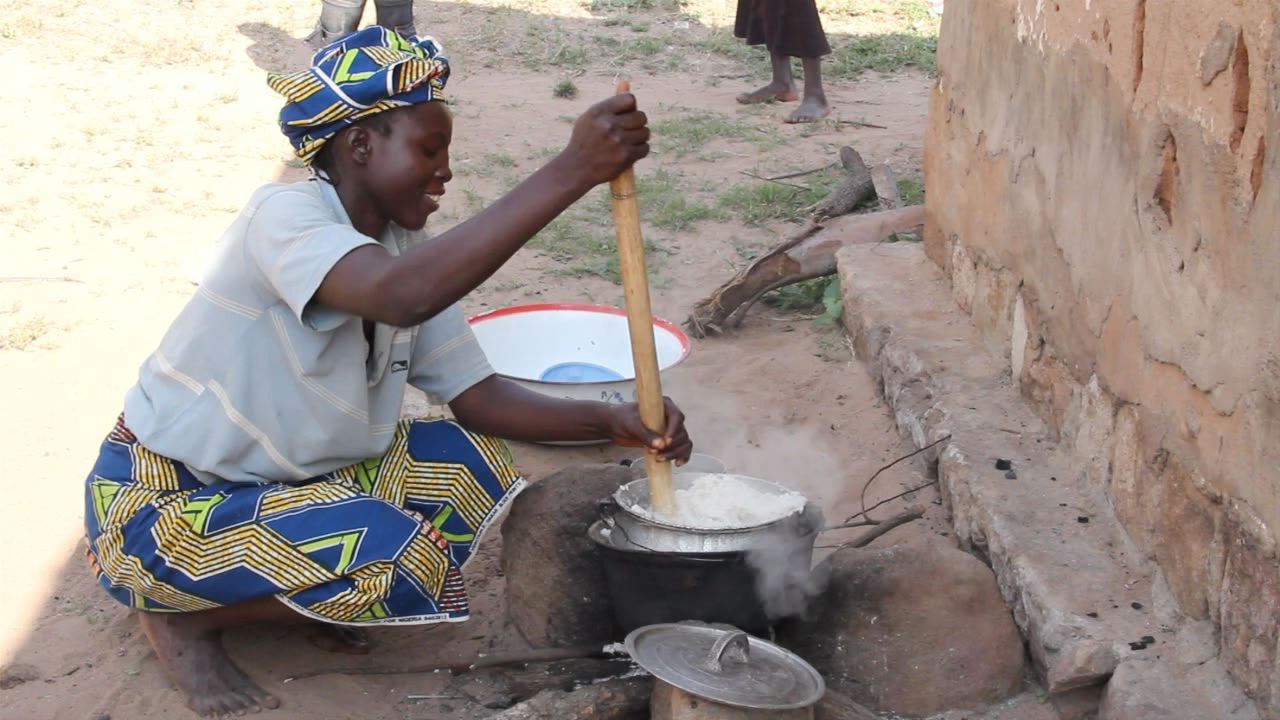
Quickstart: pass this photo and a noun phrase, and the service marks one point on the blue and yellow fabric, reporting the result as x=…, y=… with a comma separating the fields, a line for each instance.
x=383, y=541
x=363, y=73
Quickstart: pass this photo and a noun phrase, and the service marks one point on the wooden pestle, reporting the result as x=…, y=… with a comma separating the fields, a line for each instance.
x=635, y=291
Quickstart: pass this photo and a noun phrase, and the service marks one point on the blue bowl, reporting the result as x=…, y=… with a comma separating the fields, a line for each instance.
x=578, y=372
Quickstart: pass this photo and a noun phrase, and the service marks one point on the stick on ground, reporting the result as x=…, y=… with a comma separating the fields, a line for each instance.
x=808, y=254
x=880, y=529
x=460, y=667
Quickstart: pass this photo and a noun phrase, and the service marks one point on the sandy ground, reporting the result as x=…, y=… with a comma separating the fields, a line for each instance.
x=127, y=154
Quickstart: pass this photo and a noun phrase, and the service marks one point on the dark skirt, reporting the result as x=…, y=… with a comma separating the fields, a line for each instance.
x=786, y=27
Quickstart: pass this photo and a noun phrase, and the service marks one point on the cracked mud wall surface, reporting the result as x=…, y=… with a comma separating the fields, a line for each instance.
x=1100, y=192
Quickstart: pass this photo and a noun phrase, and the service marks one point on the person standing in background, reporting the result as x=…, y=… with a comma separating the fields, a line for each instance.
x=340, y=17
x=787, y=28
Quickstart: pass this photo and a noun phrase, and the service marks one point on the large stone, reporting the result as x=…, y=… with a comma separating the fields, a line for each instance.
x=556, y=592
x=1163, y=690
x=12, y=676
x=1250, y=635
x=912, y=629
x=1085, y=599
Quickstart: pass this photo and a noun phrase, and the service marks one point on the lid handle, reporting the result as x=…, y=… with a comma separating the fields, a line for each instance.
x=733, y=645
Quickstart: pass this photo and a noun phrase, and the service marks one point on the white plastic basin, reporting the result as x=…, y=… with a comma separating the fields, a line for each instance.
x=582, y=352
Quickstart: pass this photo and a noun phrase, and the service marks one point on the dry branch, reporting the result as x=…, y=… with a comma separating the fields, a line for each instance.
x=878, y=528
x=809, y=254
x=886, y=183
x=459, y=667
x=836, y=706
x=857, y=188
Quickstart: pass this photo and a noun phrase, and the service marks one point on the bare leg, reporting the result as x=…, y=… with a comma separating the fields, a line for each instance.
x=189, y=646
x=781, y=88
x=814, y=106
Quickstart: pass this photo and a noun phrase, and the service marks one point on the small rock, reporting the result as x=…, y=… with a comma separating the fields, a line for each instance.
x=1135, y=605
x=488, y=692
x=1082, y=665
x=11, y=676
x=1002, y=464
x=1217, y=54
x=1082, y=519
x=1010, y=475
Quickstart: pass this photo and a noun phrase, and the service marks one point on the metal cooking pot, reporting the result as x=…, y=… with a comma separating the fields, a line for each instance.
x=628, y=529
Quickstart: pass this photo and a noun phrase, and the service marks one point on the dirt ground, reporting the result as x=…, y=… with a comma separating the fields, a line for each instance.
x=137, y=129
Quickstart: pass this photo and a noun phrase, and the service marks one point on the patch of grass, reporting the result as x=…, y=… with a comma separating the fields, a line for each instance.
x=20, y=25
x=666, y=202
x=646, y=52
x=882, y=53
x=26, y=333
x=691, y=132
x=565, y=89
x=490, y=164
x=583, y=248
x=803, y=296
x=547, y=43
x=820, y=295
x=757, y=202
x=911, y=189
x=607, y=5
x=473, y=201
x=720, y=41
x=584, y=242
x=500, y=159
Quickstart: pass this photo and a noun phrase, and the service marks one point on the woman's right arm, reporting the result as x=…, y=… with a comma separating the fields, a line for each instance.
x=410, y=289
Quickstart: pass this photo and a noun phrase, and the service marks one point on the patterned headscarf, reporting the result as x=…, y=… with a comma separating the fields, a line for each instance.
x=363, y=73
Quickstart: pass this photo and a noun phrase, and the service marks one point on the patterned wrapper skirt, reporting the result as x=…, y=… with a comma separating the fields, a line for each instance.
x=382, y=541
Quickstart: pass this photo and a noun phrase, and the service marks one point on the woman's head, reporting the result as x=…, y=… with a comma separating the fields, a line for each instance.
x=363, y=74
x=369, y=114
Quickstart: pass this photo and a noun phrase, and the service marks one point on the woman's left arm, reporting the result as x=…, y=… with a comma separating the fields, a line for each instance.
x=497, y=406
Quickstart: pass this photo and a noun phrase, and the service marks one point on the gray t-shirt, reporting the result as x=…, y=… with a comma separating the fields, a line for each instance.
x=255, y=382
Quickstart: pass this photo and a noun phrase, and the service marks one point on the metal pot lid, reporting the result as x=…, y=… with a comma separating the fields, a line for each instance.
x=726, y=666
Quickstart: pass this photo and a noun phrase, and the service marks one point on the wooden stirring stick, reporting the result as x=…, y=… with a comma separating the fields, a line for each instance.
x=635, y=291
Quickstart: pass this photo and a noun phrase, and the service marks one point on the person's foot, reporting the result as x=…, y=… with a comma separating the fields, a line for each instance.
x=812, y=108
x=339, y=638
x=773, y=92
x=195, y=661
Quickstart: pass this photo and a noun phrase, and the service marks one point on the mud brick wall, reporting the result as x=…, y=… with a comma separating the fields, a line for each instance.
x=1103, y=190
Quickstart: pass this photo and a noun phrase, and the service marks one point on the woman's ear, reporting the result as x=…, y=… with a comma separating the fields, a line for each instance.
x=356, y=141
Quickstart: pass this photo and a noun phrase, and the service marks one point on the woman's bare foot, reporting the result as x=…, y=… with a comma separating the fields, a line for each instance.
x=192, y=655
x=773, y=92
x=339, y=638
x=812, y=108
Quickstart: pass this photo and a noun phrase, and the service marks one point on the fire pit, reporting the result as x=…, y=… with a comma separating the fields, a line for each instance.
x=661, y=572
